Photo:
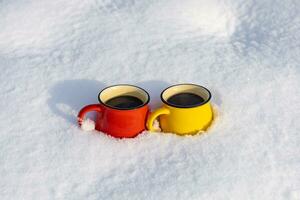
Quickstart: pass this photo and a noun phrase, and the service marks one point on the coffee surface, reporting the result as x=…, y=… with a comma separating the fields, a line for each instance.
x=124, y=102
x=185, y=100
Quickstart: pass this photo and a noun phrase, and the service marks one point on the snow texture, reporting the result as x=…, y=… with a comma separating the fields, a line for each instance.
x=55, y=56
x=88, y=125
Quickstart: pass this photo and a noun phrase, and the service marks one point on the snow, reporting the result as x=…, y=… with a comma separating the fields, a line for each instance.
x=88, y=125
x=55, y=56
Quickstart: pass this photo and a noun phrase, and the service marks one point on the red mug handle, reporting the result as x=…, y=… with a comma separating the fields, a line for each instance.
x=86, y=109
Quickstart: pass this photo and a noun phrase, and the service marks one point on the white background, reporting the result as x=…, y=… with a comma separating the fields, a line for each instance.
x=55, y=56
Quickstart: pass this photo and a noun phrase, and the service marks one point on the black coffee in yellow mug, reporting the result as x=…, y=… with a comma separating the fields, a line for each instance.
x=185, y=99
x=186, y=110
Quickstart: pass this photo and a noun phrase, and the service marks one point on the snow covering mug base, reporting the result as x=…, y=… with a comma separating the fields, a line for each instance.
x=115, y=121
x=183, y=120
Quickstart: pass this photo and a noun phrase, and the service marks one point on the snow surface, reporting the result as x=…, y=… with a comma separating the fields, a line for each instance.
x=88, y=125
x=55, y=56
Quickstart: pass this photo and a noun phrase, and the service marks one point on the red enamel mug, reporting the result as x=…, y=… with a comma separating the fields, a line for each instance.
x=114, y=116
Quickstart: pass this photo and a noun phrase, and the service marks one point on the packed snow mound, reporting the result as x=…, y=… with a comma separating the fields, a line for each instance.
x=55, y=57
x=88, y=125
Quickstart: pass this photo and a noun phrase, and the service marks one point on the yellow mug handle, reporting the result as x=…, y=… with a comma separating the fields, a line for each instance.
x=154, y=115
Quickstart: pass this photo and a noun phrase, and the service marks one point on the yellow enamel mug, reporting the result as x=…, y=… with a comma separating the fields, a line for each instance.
x=179, y=119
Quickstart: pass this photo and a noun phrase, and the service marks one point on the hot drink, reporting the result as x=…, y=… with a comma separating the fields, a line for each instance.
x=185, y=100
x=124, y=102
